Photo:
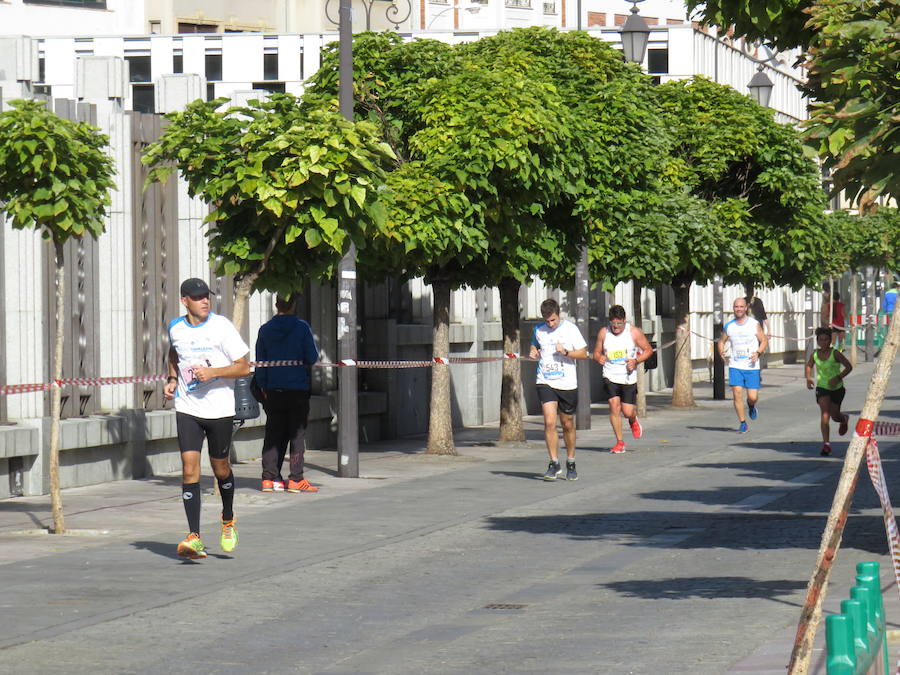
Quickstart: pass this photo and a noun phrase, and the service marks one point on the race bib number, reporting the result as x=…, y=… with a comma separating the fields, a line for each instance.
x=617, y=355
x=741, y=353
x=552, y=370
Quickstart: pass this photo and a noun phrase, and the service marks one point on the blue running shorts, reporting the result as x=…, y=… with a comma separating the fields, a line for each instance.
x=748, y=379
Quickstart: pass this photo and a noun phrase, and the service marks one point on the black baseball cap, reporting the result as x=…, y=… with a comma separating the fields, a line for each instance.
x=194, y=287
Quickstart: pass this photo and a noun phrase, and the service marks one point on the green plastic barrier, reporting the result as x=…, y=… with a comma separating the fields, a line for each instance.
x=856, y=639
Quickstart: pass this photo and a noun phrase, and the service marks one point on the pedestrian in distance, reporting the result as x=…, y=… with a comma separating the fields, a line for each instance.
x=746, y=341
x=557, y=344
x=206, y=354
x=832, y=316
x=757, y=310
x=890, y=299
x=619, y=349
x=829, y=384
x=285, y=395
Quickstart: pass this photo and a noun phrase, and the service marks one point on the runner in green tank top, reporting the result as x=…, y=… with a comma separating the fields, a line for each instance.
x=829, y=384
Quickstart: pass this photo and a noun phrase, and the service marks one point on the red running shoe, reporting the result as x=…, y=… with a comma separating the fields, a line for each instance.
x=826, y=449
x=636, y=429
x=618, y=448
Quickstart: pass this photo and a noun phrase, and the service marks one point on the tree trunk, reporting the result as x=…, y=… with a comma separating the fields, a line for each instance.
x=59, y=524
x=638, y=319
x=683, y=390
x=811, y=614
x=440, y=423
x=511, y=430
x=243, y=289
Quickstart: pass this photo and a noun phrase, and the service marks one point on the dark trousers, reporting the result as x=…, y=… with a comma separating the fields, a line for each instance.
x=287, y=412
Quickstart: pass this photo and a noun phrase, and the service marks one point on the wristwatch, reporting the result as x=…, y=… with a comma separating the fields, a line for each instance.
x=171, y=378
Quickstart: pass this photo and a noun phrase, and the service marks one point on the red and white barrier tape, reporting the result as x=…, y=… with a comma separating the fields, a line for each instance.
x=873, y=462
x=8, y=389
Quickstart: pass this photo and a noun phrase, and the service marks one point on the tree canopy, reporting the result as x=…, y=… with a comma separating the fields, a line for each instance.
x=853, y=60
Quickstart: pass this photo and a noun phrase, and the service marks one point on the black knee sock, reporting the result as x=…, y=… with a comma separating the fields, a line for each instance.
x=226, y=489
x=190, y=493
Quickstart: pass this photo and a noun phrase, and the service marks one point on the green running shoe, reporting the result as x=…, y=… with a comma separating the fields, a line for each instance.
x=229, y=535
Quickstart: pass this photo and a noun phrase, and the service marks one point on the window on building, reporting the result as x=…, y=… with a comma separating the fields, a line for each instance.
x=214, y=67
x=270, y=66
x=155, y=27
x=271, y=87
x=177, y=63
x=210, y=91
x=658, y=61
x=86, y=4
x=42, y=69
x=143, y=98
x=187, y=27
x=139, y=68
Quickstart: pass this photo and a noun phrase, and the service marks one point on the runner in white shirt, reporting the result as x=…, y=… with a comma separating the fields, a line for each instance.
x=206, y=353
x=619, y=349
x=557, y=343
x=748, y=342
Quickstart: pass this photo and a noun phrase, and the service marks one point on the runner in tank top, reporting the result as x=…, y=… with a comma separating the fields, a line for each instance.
x=620, y=347
x=829, y=384
x=747, y=341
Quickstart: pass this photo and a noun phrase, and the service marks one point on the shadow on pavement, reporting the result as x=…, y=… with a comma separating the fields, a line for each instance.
x=518, y=474
x=711, y=588
x=752, y=530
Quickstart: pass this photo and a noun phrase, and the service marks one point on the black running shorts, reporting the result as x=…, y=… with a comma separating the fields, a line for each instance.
x=566, y=399
x=192, y=430
x=836, y=395
x=626, y=392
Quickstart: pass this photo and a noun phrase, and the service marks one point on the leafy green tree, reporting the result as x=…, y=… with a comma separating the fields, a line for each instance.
x=853, y=57
x=290, y=188
x=854, y=80
x=864, y=240
x=55, y=177
x=609, y=104
x=432, y=231
x=752, y=203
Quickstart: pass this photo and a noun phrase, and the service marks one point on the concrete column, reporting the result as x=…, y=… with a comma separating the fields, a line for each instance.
x=18, y=66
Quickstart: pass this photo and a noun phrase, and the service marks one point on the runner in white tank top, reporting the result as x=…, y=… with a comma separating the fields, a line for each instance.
x=619, y=349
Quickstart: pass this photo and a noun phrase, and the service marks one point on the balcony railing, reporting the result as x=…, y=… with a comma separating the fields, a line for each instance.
x=524, y=4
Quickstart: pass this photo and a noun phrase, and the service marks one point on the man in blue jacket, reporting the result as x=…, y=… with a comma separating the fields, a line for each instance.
x=286, y=395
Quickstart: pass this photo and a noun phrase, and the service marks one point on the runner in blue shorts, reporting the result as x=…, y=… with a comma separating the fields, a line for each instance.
x=746, y=341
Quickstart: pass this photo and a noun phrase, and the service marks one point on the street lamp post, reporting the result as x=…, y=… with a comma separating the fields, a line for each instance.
x=635, y=35
x=761, y=87
x=395, y=12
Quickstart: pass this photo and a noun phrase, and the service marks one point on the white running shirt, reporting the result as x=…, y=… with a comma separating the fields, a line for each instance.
x=215, y=343
x=555, y=369
x=744, y=342
x=619, y=348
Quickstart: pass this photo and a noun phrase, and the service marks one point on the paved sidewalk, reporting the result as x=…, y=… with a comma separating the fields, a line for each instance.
x=103, y=515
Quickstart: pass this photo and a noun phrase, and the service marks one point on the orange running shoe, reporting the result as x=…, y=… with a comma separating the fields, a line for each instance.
x=301, y=486
x=618, y=448
x=192, y=547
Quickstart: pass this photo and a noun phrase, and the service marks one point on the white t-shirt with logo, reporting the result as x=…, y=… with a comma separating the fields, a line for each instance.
x=214, y=343
x=744, y=342
x=555, y=369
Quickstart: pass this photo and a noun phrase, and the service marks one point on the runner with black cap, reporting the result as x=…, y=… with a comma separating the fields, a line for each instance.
x=206, y=354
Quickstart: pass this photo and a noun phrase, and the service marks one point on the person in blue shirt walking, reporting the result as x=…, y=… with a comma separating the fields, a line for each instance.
x=890, y=300
x=285, y=395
